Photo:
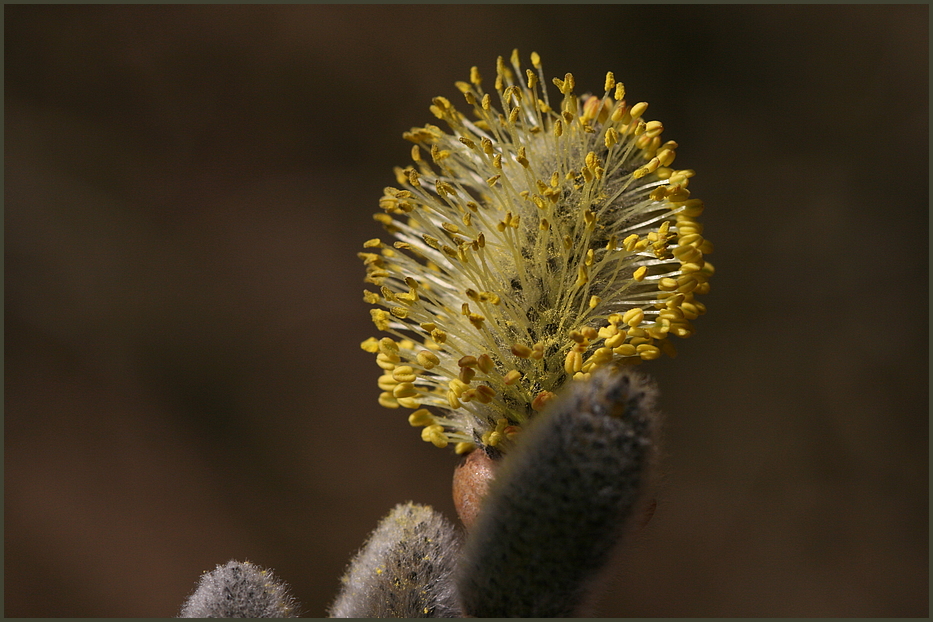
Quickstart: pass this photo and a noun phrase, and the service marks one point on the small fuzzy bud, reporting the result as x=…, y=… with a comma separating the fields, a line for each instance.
x=240, y=590
x=404, y=570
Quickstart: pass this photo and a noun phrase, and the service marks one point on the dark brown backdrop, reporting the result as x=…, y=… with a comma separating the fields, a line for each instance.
x=186, y=190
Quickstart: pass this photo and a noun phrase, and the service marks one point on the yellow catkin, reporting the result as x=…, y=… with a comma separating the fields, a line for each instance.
x=458, y=316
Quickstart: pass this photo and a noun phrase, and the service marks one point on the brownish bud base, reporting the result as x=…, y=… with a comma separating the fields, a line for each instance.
x=471, y=482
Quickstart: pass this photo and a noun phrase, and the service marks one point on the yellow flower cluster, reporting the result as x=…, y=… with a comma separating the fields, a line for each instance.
x=532, y=243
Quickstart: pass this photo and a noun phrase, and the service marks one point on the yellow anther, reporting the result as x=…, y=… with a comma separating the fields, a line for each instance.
x=370, y=259
x=692, y=208
x=620, y=92
x=633, y=317
x=484, y=394
x=630, y=242
x=612, y=137
x=659, y=329
x=460, y=449
x=568, y=83
x=594, y=301
x=544, y=225
x=638, y=110
x=475, y=78
x=690, y=239
x=582, y=276
x=558, y=128
x=387, y=361
x=626, y=349
x=374, y=243
x=387, y=294
x=610, y=81
x=492, y=180
x=541, y=400
x=521, y=158
x=682, y=329
x=399, y=312
x=438, y=335
x=639, y=274
x=537, y=351
x=371, y=345
x=404, y=373
x=688, y=254
x=435, y=434
x=532, y=78
x=386, y=382
x=427, y=359
x=602, y=355
x=673, y=302
x=409, y=402
x=647, y=352
x=667, y=284
x=387, y=401
x=687, y=284
x=444, y=189
x=476, y=320
x=452, y=400
x=588, y=260
x=458, y=386
x=573, y=362
x=380, y=318
x=591, y=108
x=404, y=389
x=615, y=340
x=511, y=377
x=420, y=417
x=589, y=332
x=653, y=128
x=608, y=331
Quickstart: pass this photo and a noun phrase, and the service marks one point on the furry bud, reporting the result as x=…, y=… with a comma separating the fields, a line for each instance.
x=240, y=590
x=404, y=570
x=559, y=502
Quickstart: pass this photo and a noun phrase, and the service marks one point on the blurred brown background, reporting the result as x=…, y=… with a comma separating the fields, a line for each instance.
x=186, y=192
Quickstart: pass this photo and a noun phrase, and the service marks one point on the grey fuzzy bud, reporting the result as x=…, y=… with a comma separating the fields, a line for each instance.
x=559, y=502
x=404, y=570
x=240, y=590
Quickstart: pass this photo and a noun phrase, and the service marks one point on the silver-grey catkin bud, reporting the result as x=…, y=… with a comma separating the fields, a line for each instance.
x=405, y=569
x=240, y=590
x=559, y=503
